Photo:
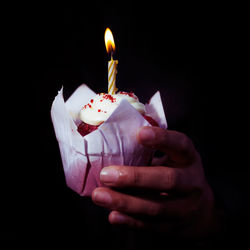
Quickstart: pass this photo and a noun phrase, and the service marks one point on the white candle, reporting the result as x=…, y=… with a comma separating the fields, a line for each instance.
x=112, y=71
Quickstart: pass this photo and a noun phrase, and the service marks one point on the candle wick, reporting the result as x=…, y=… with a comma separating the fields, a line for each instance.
x=112, y=54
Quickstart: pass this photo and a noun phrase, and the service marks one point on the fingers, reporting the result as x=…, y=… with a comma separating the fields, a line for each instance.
x=124, y=220
x=114, y=200
x=118, y=218
x=145, y=208
x=150, y=178
x=175, y=144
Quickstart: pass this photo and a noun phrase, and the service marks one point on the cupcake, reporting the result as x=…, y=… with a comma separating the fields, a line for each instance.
x=98, y=130
x=99, y=109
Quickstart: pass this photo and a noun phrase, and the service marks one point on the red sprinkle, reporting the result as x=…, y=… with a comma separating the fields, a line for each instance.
x=87, y=105
x=109, y=97
x=99, y=110
x=131, y=94
x=91, y=100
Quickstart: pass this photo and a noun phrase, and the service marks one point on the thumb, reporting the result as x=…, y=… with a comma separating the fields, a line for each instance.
x=175, y=144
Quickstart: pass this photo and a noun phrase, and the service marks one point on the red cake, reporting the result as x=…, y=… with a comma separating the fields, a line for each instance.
x=84, y=128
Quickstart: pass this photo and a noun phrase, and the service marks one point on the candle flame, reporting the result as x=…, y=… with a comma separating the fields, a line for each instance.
x=109, y=41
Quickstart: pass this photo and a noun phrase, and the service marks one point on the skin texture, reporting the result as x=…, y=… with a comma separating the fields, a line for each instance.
x=170, y=196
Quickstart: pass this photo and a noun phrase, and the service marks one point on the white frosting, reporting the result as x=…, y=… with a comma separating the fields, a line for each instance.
x=102, y=106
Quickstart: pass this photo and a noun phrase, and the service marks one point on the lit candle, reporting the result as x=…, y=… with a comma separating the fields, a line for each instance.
x=112, y=64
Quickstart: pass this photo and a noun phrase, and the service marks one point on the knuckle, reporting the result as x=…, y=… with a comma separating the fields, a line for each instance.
x=197, y=180
x=185, y=142
x=135, y=176
x=120, y=204
x=187, y=148
x=170, y=178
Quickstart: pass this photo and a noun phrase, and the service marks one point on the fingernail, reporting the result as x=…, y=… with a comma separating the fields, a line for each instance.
x=109, y=175
x=102, y=197
x=117, y=218
x=146, y=134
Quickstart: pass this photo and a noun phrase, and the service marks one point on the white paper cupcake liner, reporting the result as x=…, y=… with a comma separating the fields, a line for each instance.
x=113, y=143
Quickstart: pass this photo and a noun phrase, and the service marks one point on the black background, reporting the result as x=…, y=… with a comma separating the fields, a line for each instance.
x=192, y=53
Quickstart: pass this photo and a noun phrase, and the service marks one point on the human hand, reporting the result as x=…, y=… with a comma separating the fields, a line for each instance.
x=171, y=197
